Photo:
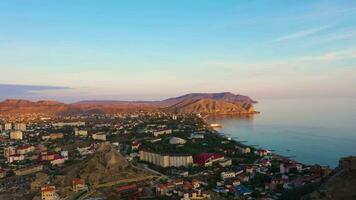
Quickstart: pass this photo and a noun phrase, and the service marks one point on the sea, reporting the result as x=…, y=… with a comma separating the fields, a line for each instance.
x=310, y=131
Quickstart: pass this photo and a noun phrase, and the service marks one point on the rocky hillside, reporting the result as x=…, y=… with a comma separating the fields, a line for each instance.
x=25, y=106
x=205, y=103
x=209, y=106
x=108, y=165
x=341, y=185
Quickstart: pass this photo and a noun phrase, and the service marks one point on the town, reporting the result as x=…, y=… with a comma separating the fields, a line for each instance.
x=140, y=155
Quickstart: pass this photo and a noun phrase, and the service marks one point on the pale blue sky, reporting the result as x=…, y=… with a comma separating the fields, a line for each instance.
x=156, y=49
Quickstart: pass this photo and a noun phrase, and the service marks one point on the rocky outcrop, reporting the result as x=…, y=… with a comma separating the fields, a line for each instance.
x=106, y=165
x=341, y=185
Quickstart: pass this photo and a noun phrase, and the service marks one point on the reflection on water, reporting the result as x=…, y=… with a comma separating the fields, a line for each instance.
x=315, y=131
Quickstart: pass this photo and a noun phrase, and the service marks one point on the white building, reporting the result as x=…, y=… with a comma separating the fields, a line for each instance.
x=7, y=126
x=16, y=135
x=99, y=136
x=20, y=126
x=162, y=132
x=61, y=124
x=227, y=175
x=166, y=160
x=177, y=140
x=80, y=133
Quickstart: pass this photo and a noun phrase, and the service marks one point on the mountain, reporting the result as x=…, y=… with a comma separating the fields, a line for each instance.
x=209, y=106
x=225, y=96
x=204, y=103
x=10, y=106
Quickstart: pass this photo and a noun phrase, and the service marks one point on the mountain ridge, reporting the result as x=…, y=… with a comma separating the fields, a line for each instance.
x=207, y=103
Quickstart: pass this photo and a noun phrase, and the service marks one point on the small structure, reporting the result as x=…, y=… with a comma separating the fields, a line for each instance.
x=177, y=140
x=49, y=193
x=78, y=185
x=162, y=132
x=207, y=159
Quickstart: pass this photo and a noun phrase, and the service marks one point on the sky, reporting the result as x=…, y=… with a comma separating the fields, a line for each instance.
x=149, y=50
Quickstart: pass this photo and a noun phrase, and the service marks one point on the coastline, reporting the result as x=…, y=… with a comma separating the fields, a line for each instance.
x=276, y=155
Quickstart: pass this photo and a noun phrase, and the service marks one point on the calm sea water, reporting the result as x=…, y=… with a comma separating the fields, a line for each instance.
x=315, y=131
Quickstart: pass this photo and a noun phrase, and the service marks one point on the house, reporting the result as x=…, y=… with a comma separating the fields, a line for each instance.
x=265, y=163
x=28, y=170
x=177, y=140
x=162, y=132
x=99, y=136
x=58, y=160
x=195, y=183
x=80, y=133
x=207, y=159
x=243, y=149
x=288, y=166
x=78, y=185
x=163, y=189
x=9, y=151
x=135, y=145
x=249, y=169
x=196, y=136
x=47, y=156
x=16, y=157
x=272, y=185
x=55, y=136
x=262, y=152
x=16, y=135
x=243, y=178
x=25, y=149
x=49, y=193
x=2, y=173
x=225, y=162
x=227, y=175
x=243, y=190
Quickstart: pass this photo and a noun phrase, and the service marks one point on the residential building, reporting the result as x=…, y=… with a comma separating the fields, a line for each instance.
x=7, y=126
x=16, y=135
x=20, y=126
x=177, y=140
x=166, y=160
x=162, y=132
x=28, y=170
x=61, y=124
x=9, y=151
x=99, y=136
x=55, y=136
x=288, y=166
x=78, y=185
x=25, y=149
x=49, y=193
x=2, y=173
x=227, y=175
x=80, y=133
x=208, y=159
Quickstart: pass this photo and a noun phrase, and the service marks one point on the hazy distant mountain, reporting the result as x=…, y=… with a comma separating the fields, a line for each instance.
x=225, y=96
x=205, y=103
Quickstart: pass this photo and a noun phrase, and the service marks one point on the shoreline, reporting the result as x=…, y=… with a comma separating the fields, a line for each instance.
x=279, y=156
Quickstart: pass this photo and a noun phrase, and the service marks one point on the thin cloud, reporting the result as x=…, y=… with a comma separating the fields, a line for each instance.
x=16, y=91
x=333, y=56
x=301, y=34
